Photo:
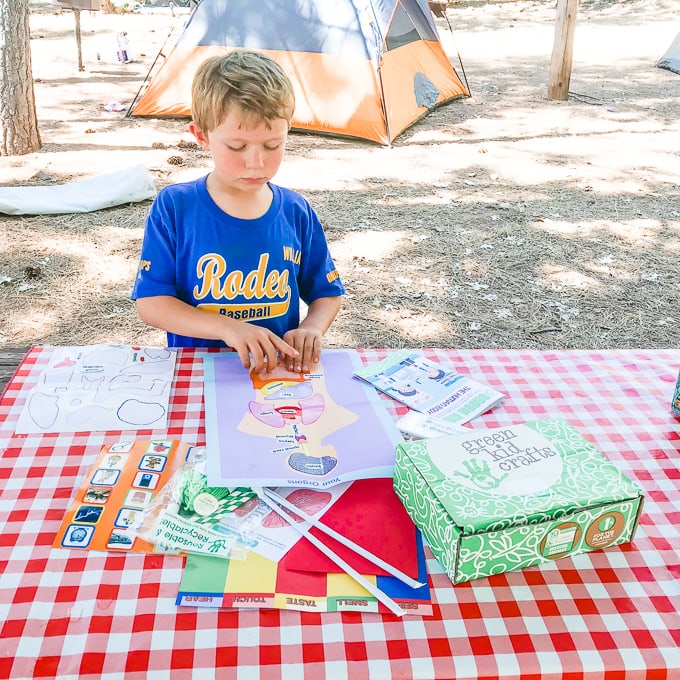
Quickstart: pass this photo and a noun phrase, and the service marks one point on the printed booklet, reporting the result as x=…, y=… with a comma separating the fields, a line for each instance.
x=430, y=388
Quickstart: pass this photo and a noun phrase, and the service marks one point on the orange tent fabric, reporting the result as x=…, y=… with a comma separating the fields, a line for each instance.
x=360, y=68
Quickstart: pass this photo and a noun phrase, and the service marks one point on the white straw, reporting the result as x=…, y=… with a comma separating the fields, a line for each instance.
x=374, y=559
x=349, y=570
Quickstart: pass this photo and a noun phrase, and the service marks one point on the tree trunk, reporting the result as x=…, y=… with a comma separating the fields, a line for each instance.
x=18, y=118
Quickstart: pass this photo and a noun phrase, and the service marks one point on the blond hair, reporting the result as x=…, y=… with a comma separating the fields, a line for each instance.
x=246, y=79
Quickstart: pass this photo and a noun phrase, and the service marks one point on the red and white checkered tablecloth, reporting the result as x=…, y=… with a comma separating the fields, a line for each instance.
x=610, y=614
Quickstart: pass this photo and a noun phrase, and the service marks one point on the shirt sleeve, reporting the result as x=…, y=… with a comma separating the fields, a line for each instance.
x=156, y=274
x=318, y=276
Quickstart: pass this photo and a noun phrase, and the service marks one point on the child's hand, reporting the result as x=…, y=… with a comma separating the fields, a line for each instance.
x=307, y=342
x=307, y=339
x=257, y=347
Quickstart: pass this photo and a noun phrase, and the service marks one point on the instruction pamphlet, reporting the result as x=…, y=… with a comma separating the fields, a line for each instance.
x=420, y=425
x=430, y=388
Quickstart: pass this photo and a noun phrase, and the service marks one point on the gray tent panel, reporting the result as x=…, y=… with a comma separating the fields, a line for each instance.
x=671, y=60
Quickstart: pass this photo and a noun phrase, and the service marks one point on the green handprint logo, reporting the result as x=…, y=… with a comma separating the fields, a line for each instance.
x=479, y=473
x=217, y=545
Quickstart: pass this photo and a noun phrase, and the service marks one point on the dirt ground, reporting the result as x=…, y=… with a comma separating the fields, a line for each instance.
x=502, y=220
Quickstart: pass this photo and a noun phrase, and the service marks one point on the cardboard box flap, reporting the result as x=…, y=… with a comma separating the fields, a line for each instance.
x=520, y=474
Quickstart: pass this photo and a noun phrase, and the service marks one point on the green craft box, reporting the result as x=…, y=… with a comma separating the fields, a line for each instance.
x=508, y=498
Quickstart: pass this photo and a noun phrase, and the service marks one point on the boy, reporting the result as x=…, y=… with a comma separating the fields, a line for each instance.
x=227, y=258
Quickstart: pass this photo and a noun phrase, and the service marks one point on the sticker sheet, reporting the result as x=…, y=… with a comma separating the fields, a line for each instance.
x=118, y=488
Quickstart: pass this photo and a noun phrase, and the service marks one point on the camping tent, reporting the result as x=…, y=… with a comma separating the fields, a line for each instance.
x=361, y=68
x=671, y=58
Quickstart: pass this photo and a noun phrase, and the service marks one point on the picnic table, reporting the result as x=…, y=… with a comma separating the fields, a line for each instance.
x=10, y=358
x=605, y=614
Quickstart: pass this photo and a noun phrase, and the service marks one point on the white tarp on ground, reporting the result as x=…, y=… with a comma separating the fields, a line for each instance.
x=671, y=60
x=129, y=185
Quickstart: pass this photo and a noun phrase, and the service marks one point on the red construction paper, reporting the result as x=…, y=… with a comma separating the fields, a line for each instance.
x=312, y=583
x=370, y=514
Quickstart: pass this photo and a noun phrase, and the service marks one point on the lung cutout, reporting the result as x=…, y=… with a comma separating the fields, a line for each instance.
x=266, y=414
x=312, y=409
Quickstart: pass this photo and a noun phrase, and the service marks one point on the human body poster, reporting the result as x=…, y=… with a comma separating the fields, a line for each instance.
x=283, y=428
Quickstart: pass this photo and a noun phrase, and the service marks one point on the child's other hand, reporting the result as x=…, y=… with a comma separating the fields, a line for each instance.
x=308, y=343
x=258, y=348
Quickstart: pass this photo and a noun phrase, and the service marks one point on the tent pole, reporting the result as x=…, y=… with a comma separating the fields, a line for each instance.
x=460, y=61
x=128, y=113
x=379, y=45
x=382, y=102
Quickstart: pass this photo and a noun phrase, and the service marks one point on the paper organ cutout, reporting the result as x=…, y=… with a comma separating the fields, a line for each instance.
x=100, y=387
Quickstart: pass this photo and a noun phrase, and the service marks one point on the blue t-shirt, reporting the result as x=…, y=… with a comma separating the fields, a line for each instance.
x=253, y=270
